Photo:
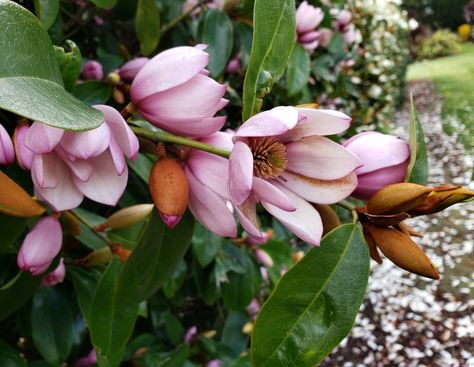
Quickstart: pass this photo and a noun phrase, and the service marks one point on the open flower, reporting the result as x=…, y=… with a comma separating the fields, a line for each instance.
x=174, y=92
x=281, y=160
x=66, y=165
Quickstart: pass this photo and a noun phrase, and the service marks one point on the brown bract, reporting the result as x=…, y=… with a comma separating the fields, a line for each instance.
x=15, y=201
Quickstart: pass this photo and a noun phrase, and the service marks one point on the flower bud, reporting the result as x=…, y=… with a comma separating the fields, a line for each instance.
x=344, y=18
x=233, y=66
x=384, y=160
x=87, y=361
x=297, y=256
x=247, y=328
x=56, y=276
x=263, y=257
x=253, y=308
x=120, y=251
x=169, y=189
x=92, y=70
x=7, y=153
x=24, y=155
x=442, y=197
x=190, y=334
x=328, y=217
x=127, y=216
x=214, y=363
x=41, y=246
x=97, y=257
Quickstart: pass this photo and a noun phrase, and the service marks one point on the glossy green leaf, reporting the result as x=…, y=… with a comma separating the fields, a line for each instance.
x=217, y=33
x=25, y=44
x=46, y=11
x=273, y=40
x=52, y=325
x=9, y=357
x=297, y=73
x=232, y=335
x=105, y=4
x=85, y=282
x=417, y=171
x=93, y=92
x=16, y=292
x=112, y=317
x=10, y=228
x=173, y=328
x=48, y=102
x=314, y=305
x=147, y=25
x=70, y=64
x=205, y=245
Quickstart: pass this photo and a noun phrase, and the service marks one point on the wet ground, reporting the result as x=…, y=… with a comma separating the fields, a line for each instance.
x=406, y=320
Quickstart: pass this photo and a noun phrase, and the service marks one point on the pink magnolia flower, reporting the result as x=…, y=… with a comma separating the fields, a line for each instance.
x=40, y=246
x=349, y=35
x=174, y=92
x=56, y=276
x=384, y=160
x=281, y=160
x=67, y=165
x=92, y=70
x=343, y=18
x=308, y=19
x=208, y=186
x=130, y=69
x=7, y=152
x=190, y=334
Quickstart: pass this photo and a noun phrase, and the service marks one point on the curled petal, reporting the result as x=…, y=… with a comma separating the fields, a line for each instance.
x=240, y=172
x=7, y=152
x=371, y=182
x=23, y=154
x=87, y=144
x=44, y=170
x=220, y=139
x=304, y=222
x=130, y=69
x=41, y=138
x=117, y=156
x=267, y=192
x=79, y=167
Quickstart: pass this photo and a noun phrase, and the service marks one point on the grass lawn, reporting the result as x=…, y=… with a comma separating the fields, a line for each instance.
x=454, y=80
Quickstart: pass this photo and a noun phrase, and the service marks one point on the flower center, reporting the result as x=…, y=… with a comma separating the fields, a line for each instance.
x=269, y=157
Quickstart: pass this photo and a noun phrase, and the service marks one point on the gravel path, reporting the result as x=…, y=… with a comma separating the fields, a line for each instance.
x=407, y=320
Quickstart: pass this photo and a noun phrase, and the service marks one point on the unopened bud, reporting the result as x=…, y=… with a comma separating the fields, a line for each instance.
x=263, y=257
x=97, y=257
x=442, y=197
x=247, y=328
x=209, y=334
x=113, y=78
x=92, y=70
x=328, y=217
x=127, y=216
x=118, y=95
x=297, y=256
x=120, y=251
x=190, y=334
x=397, y=198
x=169, y=189
x=56, y=276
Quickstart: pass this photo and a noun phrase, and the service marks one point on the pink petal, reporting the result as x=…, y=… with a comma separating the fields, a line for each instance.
x=309, y=37
x=117, y=156
x=105, y=185
x=79, y=167
x=240, y=172
x=7, y=152
x=168, y=69
x=220, y=139
x=308, y=17
x=320, y=191
x=198, y=98
x=44, y=170
x=123, y=135
x=130, y=69
x=304, y=222
x=23, y=154
x=87, y=144
x=209, y=209
x=318, y=122
x=265, y=191
x=65, y=195
x=274, y=122
x=191, y=127
x=41, y=138
x=319, y=157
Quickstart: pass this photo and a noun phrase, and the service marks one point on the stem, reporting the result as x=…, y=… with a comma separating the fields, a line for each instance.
x=350, y=207
x=179, y=18
x=90, y=227
x=161, y=136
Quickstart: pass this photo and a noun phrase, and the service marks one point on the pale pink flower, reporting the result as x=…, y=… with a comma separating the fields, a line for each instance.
x=130, y=69
x=384, y=160
x=92, y=70
x=308, y=19
x=40, y=246
x=214, y=363
x=208, y=186
x=263, y=257
x=343, y=18
x=23, y=154
x=56, y=276
x=281, y=160
x=7, y=152
x=349, y=35
x=174, y=92
x=67, y=165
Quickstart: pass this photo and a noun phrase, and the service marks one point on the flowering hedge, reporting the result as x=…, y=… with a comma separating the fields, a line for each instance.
x=162, y=201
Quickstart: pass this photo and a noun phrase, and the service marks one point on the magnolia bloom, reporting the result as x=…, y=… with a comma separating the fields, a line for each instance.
x=343, y=18
x=23, y=154
x=174, y=92
x=40, y=246
x=281, y=160
x=384, y=160
x=308, y=18
x=56, y=276
x=7, y=152
x=208, y=186
x=67, y=165
x=92, y=70
x=130, y=69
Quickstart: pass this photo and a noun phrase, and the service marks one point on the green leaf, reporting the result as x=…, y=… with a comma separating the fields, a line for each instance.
x=147, y=25
x=297, y=73
x=70, y=64
x=46, y=11
x=25, y=44
x=93, y=92
x=85, y=282
x=105, y=4
x=45, y=101
x=217, y=32
x=9, y=357
x=112, y=317
x=205, y=245
x=52, y=325
x=16, y=292
x=314, y=305
x=417, y=171
x=10, y=228
x=273, y=40
x=232, y=335
x=173, y=328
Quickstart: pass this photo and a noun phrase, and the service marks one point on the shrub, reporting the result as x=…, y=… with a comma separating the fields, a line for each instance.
x=441, y=43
